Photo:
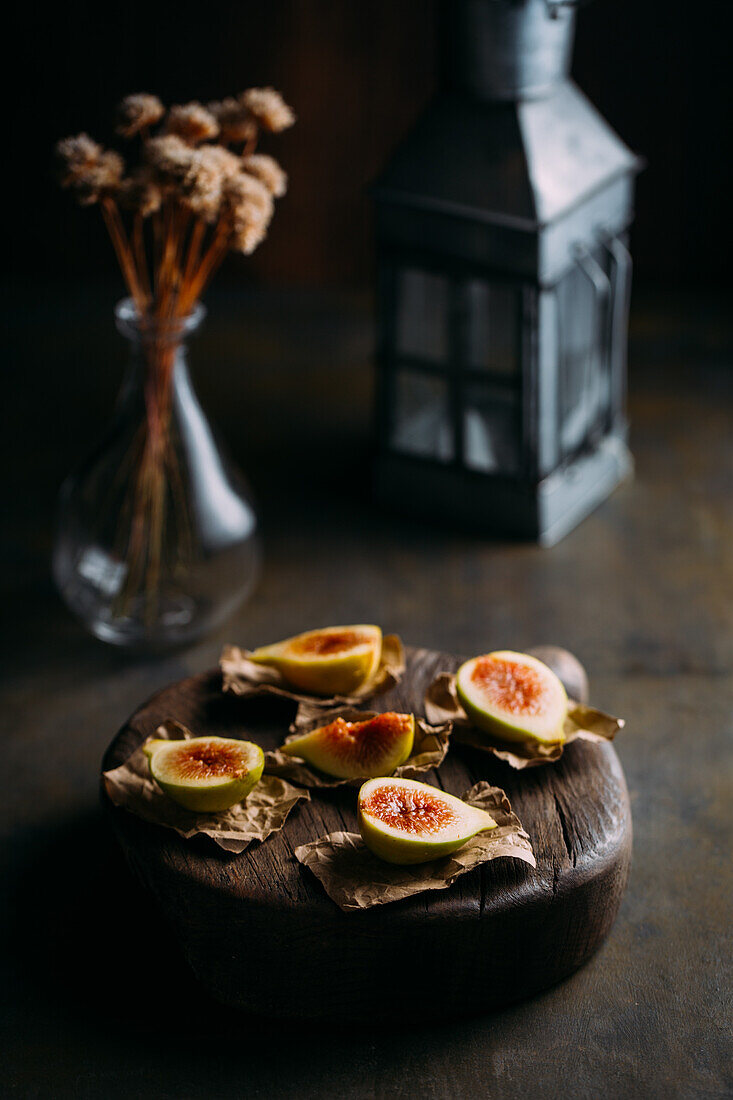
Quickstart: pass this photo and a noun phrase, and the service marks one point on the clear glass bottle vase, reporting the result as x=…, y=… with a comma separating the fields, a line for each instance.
x=157, y=535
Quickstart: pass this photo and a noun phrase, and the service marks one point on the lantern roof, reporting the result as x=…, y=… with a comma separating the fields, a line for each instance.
x=522, y=165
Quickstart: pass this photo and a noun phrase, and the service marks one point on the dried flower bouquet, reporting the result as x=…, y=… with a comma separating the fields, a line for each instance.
x=200, y=189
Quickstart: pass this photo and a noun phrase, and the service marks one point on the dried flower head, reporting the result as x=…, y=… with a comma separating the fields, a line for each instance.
x=191, y=122
x=236, y=124
x=169, y=157
x=250, y=207
x=140, y=193
x=183, y=175
x=76, y=155
x=138, y=112
x=268, y=107
x=244, y=189
x=229, y=163
x=103, y=178
x=247, y=236
x=88, y=169
x=267, y=171
x=201, y=189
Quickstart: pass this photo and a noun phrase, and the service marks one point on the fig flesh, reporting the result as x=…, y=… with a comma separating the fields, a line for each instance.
x=336, y=660
x=205, y=774
x=403, y=821
x=350, y=750
x=513, y=696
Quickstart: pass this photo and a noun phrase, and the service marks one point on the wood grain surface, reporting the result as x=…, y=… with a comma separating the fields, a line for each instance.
x=260, y=932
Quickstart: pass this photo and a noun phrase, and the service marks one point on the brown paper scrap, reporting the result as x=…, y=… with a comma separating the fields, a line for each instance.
x=356, y=879
x=262, y=813
x=582, y=723
x=241, y=676
x=428, y=750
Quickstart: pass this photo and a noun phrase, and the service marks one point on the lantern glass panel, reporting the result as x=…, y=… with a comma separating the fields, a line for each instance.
x=491, y=429
x=421, y=418
x=493, y=327
x=422, y=315
x=584, y=382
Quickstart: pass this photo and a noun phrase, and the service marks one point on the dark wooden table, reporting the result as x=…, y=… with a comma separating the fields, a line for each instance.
x=98, y=1001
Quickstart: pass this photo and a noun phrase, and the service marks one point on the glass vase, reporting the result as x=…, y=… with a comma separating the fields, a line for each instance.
x=157, y=535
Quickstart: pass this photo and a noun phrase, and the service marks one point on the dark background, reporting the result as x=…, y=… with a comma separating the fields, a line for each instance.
x=358, y=74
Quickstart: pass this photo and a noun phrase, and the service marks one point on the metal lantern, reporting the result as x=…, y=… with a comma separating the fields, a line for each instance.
x=504, y=286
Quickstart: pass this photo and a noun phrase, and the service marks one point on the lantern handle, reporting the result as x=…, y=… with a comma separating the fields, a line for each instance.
x=601, y=287
x=592, y=271
x=622, y=265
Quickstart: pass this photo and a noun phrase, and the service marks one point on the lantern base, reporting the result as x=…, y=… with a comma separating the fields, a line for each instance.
x=507, y=507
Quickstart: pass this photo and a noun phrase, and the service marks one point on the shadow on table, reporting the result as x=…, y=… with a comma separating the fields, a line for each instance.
x=89, y=940
x=90, y=948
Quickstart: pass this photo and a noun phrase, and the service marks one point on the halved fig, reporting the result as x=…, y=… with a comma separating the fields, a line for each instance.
x=348, y=750
x=205, y=774
x=403, y=821
x=513, y=696
x=336, y=660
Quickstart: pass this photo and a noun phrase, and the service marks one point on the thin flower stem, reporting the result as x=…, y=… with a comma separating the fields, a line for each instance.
x=138, y=239
x=157, y=250
x=163, y=280
x=181, y=219
x=124, y=256
x=194, y=252
x=119, y=225
x=213, y=256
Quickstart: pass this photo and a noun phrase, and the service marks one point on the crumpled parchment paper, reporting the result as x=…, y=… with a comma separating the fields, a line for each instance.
x=582, y=723
x=356, y=879
x=262, y=813
x=428, y=750
x=243, y=677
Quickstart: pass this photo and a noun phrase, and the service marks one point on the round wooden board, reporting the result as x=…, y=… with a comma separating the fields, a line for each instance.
x=261, y=934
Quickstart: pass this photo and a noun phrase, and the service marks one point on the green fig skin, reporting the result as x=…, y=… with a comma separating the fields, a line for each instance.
x=320, y=749
x=503, y=729
x=341, y=672
x=201, y=799
x=410, y=850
